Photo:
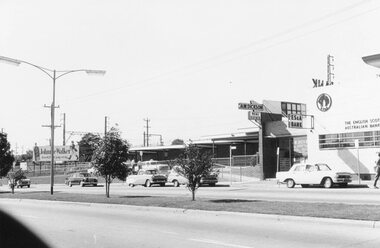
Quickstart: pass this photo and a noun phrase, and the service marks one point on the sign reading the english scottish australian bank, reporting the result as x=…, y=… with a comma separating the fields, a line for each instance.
x=61, y=153
x=362, y=124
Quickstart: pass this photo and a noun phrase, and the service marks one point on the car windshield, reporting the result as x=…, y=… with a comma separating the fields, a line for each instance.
x=323, y=167
x=151, y=172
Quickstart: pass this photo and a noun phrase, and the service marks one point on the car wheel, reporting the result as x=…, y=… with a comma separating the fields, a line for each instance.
x=212, y=184
x=305, y=185
x=131, y=185
x=148, y=183
x=70, y=184
x=28, y=186
x=290, y=183
x=95, y=185
x=328, y=183
x=176, y=183
x=162, y=184
x=81, y=184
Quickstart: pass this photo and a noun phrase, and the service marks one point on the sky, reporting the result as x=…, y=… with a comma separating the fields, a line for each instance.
x=184, y=65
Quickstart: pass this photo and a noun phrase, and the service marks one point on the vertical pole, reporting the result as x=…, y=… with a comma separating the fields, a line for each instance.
x=52, y=138
x=278, y=159
x=147, y=132
x=144, y=138
x=105, y=126
x=230, y=165
x=64, y=129
x=357, y=151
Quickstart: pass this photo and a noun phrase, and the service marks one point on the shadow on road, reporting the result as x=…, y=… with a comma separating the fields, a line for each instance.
x=135, y=196
x=233, y=200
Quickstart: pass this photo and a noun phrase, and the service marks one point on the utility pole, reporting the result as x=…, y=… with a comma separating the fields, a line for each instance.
x=330, y=68
x=144, y=138
x=52, y=128
x=147, y=131
x=105, y=126
x=64, y=129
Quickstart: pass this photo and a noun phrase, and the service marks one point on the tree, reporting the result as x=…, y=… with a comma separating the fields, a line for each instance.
x=194, y=163
x=178, y=142
x=87, y=146
x=6, y=156
x=110, y=156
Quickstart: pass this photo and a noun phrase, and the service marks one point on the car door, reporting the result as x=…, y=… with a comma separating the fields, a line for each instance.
x=311, y=174
x=298, y=174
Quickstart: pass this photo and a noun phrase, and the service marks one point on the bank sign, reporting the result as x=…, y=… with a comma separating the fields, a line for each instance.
x=61, y=153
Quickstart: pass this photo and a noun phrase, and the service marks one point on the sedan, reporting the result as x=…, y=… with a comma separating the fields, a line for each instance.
x=313, y=174
x=82, y=179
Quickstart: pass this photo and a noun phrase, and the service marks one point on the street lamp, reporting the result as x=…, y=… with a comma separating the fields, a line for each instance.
x=54, y=75
x=373, y=60
x=231, y=148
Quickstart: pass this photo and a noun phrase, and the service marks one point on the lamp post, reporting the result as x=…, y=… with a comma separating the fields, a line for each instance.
x=231, y=148
x=54, y=75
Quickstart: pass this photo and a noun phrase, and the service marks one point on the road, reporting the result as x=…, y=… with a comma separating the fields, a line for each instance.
x=264, y=190
x=96, y=225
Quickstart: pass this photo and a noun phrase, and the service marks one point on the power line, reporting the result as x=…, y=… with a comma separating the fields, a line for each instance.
x=249, y=45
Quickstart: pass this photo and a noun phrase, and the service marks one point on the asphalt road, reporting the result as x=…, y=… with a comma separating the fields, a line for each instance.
x=96, y=225
x=263, y=190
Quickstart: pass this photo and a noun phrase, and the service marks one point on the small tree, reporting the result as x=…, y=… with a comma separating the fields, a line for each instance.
x=87, y=146
x=6, y=156
x=110, y=156
x=194, y=163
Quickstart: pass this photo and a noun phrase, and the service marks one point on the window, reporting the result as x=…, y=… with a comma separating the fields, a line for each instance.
x=347, y=140
x=293, y=108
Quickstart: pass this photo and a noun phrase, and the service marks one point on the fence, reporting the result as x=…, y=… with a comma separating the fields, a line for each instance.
x=43, y=169
x=242, y=168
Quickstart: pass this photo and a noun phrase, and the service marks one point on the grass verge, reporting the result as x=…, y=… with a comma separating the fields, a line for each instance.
x=323, y=210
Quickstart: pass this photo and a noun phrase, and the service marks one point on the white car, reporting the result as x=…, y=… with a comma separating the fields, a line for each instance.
x=146, y=178
x=177, y=179
x=307, y=174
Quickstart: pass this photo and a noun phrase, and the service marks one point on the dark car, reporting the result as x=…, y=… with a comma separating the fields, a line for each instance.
x=82, y=179
x=20, y=183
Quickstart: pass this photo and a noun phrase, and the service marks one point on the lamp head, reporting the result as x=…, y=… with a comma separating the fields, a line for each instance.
x=10, y=61
x=373, y=60
x=96, y=72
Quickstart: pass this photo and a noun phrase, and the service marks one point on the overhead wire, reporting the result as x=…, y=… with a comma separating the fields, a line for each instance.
x=149, y=80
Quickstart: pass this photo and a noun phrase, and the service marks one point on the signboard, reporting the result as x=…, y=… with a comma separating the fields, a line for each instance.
x=249, y=106
x=362, y=124
x=254, y=116
x=61, y=153
x=295, y=121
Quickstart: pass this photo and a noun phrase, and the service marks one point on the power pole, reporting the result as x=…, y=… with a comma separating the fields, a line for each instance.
x=64, y=129
x=105, y=126
x=52, y=128
x=144, y=138
x=147, y=131
x=330, y=68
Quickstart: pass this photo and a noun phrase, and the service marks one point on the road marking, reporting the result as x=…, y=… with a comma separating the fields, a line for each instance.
x=214, y=242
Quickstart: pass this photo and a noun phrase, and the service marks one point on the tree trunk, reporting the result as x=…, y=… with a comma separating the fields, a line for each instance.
x=193, y=193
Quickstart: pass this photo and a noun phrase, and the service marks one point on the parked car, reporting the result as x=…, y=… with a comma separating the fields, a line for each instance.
x=23, y=182
x=82, y=179
x=307, y=174
x=162, y=167
x=147, y=178
x=177, y=179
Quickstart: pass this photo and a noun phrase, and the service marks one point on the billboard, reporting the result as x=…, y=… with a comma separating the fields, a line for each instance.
x=61, y=153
